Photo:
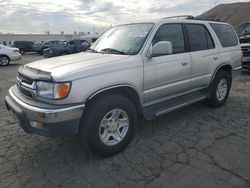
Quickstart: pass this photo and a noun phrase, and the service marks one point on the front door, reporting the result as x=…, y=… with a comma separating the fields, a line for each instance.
x=168, y=75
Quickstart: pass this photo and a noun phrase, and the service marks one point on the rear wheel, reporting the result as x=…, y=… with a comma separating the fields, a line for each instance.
x=4, y=60
x=220, y=89
x=110, y=123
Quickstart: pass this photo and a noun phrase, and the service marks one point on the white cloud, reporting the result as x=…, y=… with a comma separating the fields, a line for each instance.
x=37, y=16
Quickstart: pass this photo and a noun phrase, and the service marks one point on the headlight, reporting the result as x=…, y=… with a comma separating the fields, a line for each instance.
x=45, y=90
x=50, y=90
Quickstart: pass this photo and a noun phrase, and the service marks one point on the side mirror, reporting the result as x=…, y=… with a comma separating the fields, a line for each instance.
x=161, y=48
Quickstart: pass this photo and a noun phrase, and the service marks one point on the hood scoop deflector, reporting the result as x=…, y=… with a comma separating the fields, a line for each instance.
x=35, y=74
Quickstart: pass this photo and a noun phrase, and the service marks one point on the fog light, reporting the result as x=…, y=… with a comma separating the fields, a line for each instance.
x=37, y=125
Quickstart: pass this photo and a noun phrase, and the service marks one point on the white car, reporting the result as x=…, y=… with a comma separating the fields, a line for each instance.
x=8, y=54
x=147, y=69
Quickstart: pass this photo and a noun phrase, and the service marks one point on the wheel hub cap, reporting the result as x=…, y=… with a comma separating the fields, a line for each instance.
x=114, y=127
x=221, y=91
x=4, y=60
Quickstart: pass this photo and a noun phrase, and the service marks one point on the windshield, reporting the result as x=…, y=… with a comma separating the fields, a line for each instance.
x=244, y=29
x=124, y=39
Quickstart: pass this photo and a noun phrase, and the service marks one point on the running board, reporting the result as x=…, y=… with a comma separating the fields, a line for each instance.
x=159, y=109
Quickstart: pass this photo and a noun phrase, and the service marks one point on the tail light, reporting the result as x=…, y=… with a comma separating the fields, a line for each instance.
x=16, y=50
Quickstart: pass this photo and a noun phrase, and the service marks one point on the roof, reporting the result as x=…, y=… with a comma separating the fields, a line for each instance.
x=178, y=19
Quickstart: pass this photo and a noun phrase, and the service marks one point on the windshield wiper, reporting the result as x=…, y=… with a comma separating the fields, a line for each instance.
x=92, y=50
x=112, y=50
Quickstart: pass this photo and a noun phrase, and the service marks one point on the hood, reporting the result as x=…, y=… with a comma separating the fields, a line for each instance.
x=87, y=63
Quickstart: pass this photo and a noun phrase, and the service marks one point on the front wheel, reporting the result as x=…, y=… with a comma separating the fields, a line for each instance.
x=220, y=89
x=110, y=123
x=4, y=60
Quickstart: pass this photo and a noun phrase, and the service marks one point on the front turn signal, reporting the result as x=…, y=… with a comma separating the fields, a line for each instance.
x=61, y=90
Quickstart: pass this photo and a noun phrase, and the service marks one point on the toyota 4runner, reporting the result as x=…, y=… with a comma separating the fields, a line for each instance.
x=149, y=68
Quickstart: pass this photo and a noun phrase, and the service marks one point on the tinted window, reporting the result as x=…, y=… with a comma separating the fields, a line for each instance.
x=198, y=37
x=225, y=34
x=210, y=42
x=172, y=33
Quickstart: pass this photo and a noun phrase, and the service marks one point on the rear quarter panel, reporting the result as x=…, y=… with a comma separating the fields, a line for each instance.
x=227, y=56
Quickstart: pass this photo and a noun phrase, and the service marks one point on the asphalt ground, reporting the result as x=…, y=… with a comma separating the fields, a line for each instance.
x=196, y=146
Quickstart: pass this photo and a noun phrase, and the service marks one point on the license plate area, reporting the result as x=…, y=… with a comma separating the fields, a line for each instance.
x=245, y=59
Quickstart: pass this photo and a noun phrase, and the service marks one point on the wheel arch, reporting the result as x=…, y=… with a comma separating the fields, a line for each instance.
x=225, y=67
x=5, y=56
x=125, y=90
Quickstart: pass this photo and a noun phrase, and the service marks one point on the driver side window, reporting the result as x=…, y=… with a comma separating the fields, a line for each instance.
x=172, y=33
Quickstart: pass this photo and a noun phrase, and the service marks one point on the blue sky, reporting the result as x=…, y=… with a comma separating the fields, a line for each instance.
x=38, y=16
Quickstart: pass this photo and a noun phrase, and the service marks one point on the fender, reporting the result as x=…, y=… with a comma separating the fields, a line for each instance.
x=216, y=70
x=112, y=87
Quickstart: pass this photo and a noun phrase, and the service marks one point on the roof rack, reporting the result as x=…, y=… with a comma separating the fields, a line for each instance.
x=205, y=19
x=190, y=17
x=181, y=16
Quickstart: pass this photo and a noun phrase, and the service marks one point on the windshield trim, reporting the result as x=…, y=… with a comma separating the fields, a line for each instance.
x=143, y=43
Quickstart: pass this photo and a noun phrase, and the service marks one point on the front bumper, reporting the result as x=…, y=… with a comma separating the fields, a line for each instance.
x=15, y=57
x=246, y=65
x=59, y=121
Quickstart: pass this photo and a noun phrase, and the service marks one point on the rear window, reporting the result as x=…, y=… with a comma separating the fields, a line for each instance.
x=199, y=38
x=225, y=34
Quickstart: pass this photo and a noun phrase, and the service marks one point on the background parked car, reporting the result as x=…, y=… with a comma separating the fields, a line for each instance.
x=39, y=47
x=24, y=46
x=8, y=54
x=73, y=46
x=244, y=36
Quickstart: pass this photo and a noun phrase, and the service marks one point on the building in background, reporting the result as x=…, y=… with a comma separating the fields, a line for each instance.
x=6, y=39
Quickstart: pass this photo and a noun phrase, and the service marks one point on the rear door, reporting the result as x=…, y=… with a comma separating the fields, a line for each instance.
x=203, y=53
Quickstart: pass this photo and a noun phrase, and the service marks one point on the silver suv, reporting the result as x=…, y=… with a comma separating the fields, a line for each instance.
x=148, y=68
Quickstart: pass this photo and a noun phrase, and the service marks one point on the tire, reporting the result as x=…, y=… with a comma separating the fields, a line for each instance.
x=41, y=51
x=4, y=60
x=220, y=89
x=22, y=51
x=101, y=130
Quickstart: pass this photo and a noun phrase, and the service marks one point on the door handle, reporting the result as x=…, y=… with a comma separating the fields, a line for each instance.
x=216, y=57
x=184, y=63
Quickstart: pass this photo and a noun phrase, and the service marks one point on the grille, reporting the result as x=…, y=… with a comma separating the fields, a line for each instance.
x=26, y=85
x=25, y=92
x=246, y=51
